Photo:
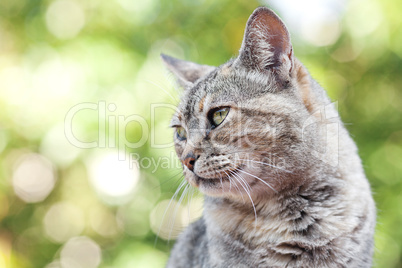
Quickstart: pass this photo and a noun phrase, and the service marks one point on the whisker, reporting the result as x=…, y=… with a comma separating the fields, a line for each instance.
x=166, y=210
x=246, y=186
x=258, y=179
x=238, y=189
x=220, y=178
x=263, y=163
x=176, y=205
x=172, y=177
x=230, y=181
x=189, y=199
x=185, y=191
x=249, y=195
x=189, y=203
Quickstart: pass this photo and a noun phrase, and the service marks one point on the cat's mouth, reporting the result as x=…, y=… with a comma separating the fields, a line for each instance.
x=224, y=178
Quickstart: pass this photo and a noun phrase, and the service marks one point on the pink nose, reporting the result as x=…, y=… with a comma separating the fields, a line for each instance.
x=189, y=162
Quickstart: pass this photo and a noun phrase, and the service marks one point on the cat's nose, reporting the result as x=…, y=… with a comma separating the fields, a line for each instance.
x=189, y=161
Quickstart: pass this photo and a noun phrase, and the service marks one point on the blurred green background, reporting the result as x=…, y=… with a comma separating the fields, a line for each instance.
x=86, y=164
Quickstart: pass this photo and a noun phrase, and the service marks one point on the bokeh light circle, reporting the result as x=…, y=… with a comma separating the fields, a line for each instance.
x=33, y=178
x=80, y=252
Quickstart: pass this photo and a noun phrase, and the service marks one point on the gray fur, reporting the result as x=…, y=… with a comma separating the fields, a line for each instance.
x=279, y=192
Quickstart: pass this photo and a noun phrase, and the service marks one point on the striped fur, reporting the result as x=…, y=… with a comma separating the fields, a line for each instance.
x=283, y=183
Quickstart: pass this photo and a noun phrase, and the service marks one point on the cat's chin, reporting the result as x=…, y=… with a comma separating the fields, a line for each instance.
x=211, y=186
x=217, y=187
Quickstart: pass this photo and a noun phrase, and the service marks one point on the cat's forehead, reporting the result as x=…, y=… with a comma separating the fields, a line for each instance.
x=194, y=102
x=210, y=91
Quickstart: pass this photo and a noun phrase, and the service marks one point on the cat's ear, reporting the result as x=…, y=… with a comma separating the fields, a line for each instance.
x=186, y=72
x=266, y=44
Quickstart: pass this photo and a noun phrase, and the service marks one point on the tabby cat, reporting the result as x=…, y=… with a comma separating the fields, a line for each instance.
x=282, y=179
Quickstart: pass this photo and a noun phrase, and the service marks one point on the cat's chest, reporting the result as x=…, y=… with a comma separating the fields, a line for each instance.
x=228, y=251
x=247, y=234
x=265, y=226
x=244, y=240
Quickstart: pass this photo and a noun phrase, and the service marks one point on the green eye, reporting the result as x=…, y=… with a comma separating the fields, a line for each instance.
x=181, y=133
x=218, y=116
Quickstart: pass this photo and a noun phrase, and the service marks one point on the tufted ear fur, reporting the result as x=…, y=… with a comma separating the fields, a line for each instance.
x=186, y=72
x=266, y=44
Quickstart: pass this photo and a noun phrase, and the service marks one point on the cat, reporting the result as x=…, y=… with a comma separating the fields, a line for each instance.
x=312, y=207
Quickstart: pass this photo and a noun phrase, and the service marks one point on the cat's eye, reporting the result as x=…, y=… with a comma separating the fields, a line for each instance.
x=181, y=133
x=218, y=116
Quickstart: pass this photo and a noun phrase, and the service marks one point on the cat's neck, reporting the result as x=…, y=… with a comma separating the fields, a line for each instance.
x=286, y=216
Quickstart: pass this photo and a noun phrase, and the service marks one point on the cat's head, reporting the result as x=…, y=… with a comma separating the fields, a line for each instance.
x=239, y=126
